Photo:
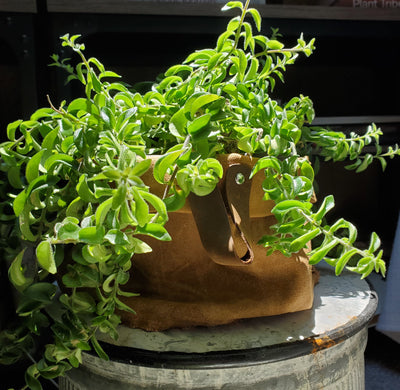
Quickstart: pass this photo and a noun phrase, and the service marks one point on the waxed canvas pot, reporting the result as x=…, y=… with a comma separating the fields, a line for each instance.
x=190, y=281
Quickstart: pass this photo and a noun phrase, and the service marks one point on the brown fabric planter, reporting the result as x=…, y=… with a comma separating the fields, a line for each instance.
x=181, y=284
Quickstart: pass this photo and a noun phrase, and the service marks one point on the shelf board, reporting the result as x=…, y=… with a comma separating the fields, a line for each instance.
x=214, y=9
x=28, y=6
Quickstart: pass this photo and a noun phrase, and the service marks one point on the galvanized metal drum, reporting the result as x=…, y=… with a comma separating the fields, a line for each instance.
x=321, y=348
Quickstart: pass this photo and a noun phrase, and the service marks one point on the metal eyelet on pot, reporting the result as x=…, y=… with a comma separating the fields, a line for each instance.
x=240, y=179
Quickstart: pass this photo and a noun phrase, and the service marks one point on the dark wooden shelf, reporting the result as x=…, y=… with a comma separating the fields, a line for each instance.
x=28, y=6
x=203, y=8
x=214, y=9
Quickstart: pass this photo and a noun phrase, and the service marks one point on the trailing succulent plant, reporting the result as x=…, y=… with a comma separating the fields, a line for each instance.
x=75, y=209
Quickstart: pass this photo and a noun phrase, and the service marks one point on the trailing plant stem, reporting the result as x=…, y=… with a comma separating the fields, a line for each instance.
x=239, y=29
x=330, y=235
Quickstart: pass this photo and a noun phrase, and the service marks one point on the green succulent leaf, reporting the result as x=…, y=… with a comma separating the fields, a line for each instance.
x=41, y=292
x=375, y=243
x=302, y=241
x=256, y=17
x=31, y=378
x=156, y=202
x=116, y=237
x=17, y=272
x=141, y=208
x=266, y=162
x=92, y=234
x=232, y=4
x=45, y=256
x=99, y=350
x=289, y=205
x=327, y=204
x=318, y=254
x=198, y=124
x=154, y=230
x=84, y=190
x=68, y=230
x=164, y=163
x=115, y=202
